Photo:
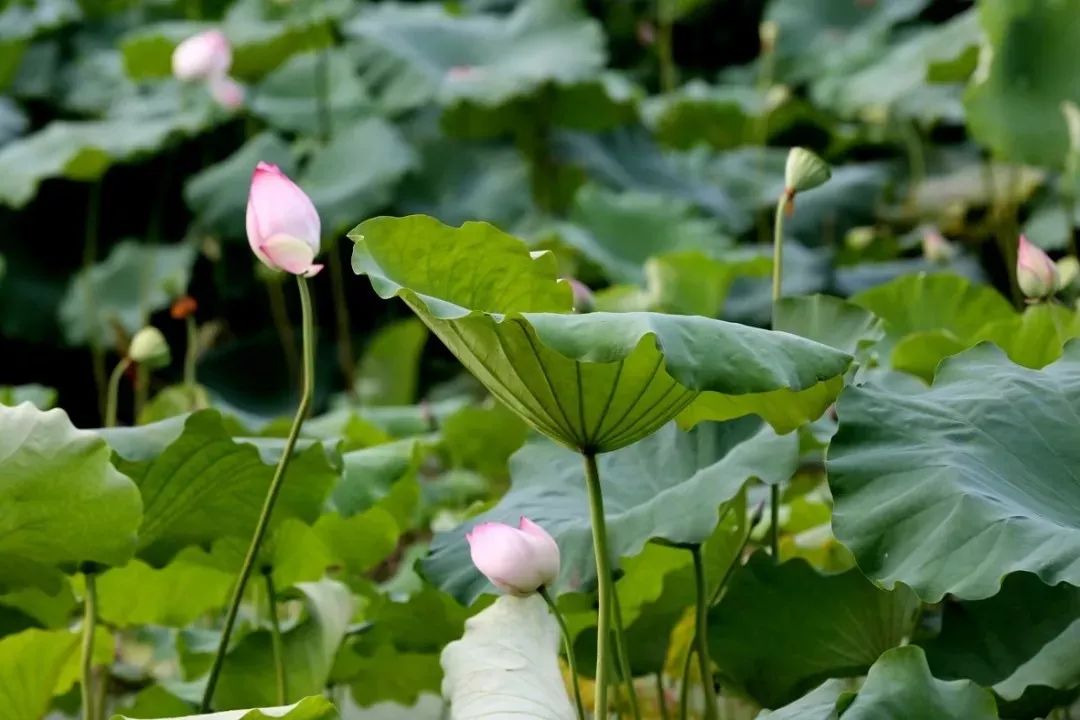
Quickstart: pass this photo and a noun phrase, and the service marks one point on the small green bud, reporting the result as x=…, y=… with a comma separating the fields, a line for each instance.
x=805, y=171
x=1068, y=268
x=148, y=348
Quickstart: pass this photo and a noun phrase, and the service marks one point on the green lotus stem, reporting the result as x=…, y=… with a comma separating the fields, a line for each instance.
x=684, y=689
x=777, y=293
x=665, y=46
x=271, y=493
x=87, y=657
x=700, y=634
x=191, y=353
x=661, y=697
x=114, y=391
x=142, y=391
x=568, y=646
x=277, y=643
x=624, y=656
x=909, y=133
x=603, y=581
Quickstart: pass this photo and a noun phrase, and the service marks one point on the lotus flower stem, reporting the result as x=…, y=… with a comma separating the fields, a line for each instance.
x=568, y=646
x=702, y=638
x=684, y=689
x=603, y=581
x=624, y=656
x=114, y=390
x=87, y=658
x=777, y=293
x=278, y=646
x=661, y=697
x=191, y=354
x=271, y=493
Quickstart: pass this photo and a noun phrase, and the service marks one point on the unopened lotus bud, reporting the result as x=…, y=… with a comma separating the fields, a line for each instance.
x=583, y=297
x=149, y=348
x=936, y=248
x=517, y=560
x=804, y=171
x=227, y=93
x=1036, y=273
x=1068, y=268
x=283, y=227
x=202, y=57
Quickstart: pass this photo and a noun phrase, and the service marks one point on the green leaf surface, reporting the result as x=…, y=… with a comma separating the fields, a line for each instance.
x=287, y=99
x=598, y=381
x=33, y=664
x=172, y=596
x=669, y=487
x=41, y=397
x=951, y=488
x=829, y=321
x=203, y=485
x=217, y=194
x=390, y=367
x=63, y=502
x=487, y=59
x=310, y=708
x=1014, y=104
x=123, y=290
x=783, y=629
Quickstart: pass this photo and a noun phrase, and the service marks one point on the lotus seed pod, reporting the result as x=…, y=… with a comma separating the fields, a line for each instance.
x=149, y=348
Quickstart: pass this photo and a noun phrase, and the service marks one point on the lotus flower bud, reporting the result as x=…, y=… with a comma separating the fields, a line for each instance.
x=517, y=560
x=226, y=92
x=1036, y=273
x=583, y=297
x=935, y=247
x=804, y=171
x=202, y=57
x=283, y=226
x=149, y=348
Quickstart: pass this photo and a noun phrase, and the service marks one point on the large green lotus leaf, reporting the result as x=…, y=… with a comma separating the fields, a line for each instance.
x=783, y=629
x=1014, y=104
x=899, y=686
x=36, y=665
x=372, y=474
x=316, y=707
x=953, y=487
x=487, y=59
x=204, y=485
x=41, y=397
x=172, y=596
x=621, y=231
x=812, y=38
x=355, y=174
x=722, y=116
x=123, y=290
x=507, y=664
x=896, y=82
x=669, y=487
x=217, y=194
x=1025, y=638
x=598, y=381
x=84, y=150
x=287, y=99
x=22, y=22
x=830, y=321
x=483, y=438
x=1037, y=337
x=389, y=675
x=389, y=369
x=63, y=502
x=247, y=677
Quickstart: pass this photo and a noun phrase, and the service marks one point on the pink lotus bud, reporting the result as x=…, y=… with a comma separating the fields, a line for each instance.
x=935, y=247
x=516, y=560
x=583, y=297
x=1036, y=273
x=283, y=226
x=202, y=57
x=228, y=93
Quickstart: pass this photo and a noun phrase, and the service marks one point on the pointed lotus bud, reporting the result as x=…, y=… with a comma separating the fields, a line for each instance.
x=1068, y=269
x=226, y=92
x=202, y=57
x=583, y=297
x=149, y=348
x=283, y=226
x=935, y=247
x=1035, y=271
x=804, y=171
x=516, y=560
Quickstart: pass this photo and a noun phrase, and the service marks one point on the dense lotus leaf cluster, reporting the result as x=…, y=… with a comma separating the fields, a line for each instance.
x=554, y=255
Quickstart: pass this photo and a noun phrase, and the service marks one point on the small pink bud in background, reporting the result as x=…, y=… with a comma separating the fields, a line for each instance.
x=202, y=57
x=283, y=226
x=460, y=72
x=935, y=247
x=583, y=297
x=228, y=93
x=1036, y=273
x=517, y=560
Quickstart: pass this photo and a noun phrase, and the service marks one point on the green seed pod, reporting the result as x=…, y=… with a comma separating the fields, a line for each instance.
x=148, y=348
x=805, y=171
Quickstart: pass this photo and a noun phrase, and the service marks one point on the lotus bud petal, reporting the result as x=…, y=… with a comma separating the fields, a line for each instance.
x=202, y=57
x=227, y=93
x=149, y=348
x=283, y=226
x=518, y=561
x=1036, y=273
x=804, y=171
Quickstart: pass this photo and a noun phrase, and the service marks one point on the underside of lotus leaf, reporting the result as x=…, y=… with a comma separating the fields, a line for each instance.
x=593, y=382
